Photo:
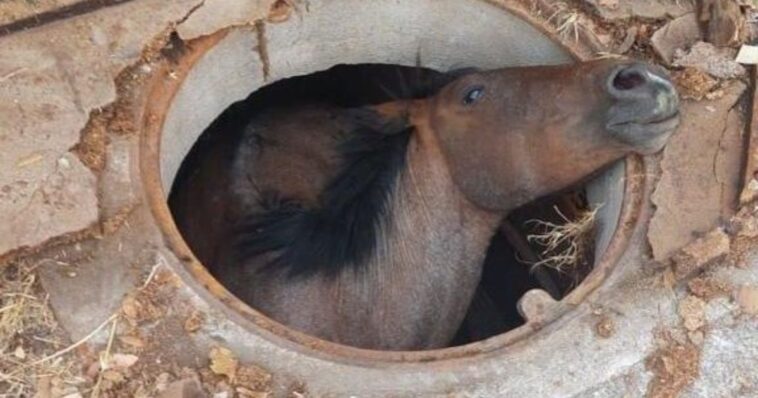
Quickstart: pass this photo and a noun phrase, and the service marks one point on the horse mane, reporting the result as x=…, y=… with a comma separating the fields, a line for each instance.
x=342, y=230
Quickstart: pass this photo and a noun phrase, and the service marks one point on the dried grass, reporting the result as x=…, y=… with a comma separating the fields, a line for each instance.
x=567, y=21
x=29, y=336
x=566, y=244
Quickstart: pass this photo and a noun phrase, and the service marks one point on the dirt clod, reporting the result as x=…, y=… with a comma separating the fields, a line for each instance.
x=223, y=362
x=605, y=327
x=675, y=366
x=694, y=83
x=707, y=288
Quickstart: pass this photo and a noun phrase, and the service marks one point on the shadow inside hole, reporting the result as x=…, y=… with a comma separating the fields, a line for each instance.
x=508, y=272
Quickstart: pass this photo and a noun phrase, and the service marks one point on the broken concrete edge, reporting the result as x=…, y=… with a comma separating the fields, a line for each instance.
x=703, y=251
x=100, y=229
x=105, y=120
x=722, y=246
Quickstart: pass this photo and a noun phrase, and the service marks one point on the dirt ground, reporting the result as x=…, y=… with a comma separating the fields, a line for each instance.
x=37, y=359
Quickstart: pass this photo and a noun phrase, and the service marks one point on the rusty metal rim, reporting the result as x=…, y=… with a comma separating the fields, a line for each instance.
x=161, y=89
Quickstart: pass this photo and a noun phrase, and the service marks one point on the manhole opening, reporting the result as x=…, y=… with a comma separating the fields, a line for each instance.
x=518, y=259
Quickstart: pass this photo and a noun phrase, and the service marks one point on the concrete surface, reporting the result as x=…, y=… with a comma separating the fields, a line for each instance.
x=53, y=77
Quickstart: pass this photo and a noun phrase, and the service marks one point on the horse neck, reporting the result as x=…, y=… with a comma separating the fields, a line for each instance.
x=434, y=238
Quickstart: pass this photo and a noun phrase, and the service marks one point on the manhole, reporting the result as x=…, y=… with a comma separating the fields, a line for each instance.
x=215, y=71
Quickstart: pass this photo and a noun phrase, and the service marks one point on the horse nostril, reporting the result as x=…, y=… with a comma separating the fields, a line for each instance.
x=629, y=79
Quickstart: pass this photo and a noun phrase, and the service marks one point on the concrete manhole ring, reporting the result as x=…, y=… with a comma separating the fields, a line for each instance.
x=185, y=95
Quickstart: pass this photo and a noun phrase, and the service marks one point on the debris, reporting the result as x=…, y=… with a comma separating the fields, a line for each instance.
x=605, y=327
x=701, y=252
x=121, y=361
x=707, y=288
x=721, y=21
x=253, y=378
x=675, y=366
x=717, y=62
x=747, y=298
x=223, y=362
x=680, y=33
x=694, y=84
x=193, y=322
x=19, y=353
x=29, y=160
x=692, y=311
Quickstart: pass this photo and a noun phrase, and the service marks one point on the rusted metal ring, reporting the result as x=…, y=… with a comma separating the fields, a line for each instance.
x=161, y=90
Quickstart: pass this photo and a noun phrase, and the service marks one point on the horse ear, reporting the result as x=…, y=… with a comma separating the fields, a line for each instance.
x=388, y=118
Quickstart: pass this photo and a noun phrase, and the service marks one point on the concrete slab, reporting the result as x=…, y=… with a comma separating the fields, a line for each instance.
x=701, y=172
x=51, y=78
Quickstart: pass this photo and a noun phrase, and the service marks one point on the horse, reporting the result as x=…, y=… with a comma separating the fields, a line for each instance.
x=368, y=226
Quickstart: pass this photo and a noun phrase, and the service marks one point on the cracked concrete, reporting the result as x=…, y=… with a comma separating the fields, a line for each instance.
x=56, y=75
x=701, y=172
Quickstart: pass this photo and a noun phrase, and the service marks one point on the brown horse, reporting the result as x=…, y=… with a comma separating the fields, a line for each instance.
x=369, y=226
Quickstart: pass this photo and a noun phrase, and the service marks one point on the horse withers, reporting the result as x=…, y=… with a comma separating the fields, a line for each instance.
x=369, y=226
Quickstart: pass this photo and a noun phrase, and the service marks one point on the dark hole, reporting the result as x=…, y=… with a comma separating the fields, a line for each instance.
x=508, y=271
x=628, y=79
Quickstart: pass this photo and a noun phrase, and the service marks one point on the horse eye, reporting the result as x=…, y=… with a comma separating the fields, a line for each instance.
x=473, y=95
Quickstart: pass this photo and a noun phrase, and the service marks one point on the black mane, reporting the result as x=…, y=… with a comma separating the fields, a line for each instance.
x=342, y=231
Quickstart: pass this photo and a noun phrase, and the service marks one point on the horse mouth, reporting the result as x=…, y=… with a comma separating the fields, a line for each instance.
x=646, y=136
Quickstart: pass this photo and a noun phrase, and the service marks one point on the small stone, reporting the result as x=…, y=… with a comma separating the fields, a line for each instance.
x=19, y=353
x=64, y=163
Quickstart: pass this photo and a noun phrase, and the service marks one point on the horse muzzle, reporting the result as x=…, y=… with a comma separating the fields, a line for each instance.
x=645, y=108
